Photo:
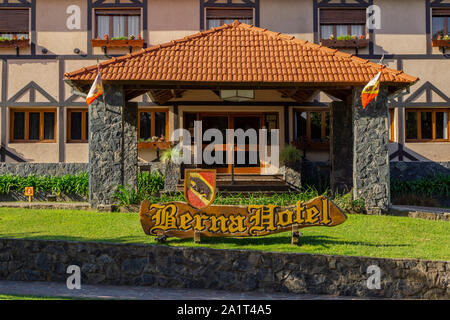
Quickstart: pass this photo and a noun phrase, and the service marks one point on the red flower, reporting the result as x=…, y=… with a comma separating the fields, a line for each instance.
x=106, y=36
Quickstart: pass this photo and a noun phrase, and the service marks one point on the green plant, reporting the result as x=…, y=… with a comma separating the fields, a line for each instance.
x=344, y=37
x=173, y=155
x=126, y=195
x=148, y=185
x=68, y=184
x=290, y=156
x=432, y=186
x=119, y=38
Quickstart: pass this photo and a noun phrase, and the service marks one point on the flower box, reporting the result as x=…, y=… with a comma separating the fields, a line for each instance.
x=155, y=145
x=118, y=43
x=353, y=43
x=441, y=43
x=15, y=43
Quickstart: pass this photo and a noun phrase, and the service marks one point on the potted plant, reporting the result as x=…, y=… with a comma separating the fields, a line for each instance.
x=118, y=42
x=348, y=41
x=291, y=159
x=14, y=42
x=441, y=41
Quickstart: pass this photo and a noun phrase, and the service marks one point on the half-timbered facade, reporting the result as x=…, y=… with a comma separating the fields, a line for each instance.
x=41, y=120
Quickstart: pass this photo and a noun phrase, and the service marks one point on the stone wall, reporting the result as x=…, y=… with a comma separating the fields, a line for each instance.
x=371, y=177
x=417, y=169
x=39, y=169
x=341, y=147
x=177, y=267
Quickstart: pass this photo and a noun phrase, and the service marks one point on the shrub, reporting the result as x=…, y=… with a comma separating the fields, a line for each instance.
x=290, y=156
x=68, y=184
x=433, y=186
x=148, y=185
x=172, y=155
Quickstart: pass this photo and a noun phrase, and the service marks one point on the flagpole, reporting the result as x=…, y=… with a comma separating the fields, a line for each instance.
x=99, y=71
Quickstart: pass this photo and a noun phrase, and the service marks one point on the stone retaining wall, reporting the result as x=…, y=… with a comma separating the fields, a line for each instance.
x=39, y=169
x=177, y=267
x=15, y=195
x=418, y=169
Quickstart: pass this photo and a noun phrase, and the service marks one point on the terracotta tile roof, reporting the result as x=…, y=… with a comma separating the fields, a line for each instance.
x=240, y=52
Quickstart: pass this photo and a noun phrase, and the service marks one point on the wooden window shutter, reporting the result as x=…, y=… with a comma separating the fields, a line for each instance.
x=441, y=12
x=119, y=12
x=229, y=13
x=343, y=16
x=14, y=20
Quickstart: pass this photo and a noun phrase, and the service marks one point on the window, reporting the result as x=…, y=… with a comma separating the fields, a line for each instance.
x=14, y=23
x=441, y=22
x=153, y=123
x=342, y=22
x=391, y=125
x=312, y=125
x=77, y=125
x=117, y=23
x=218, y=17
x=33, y=125
x=427, y=125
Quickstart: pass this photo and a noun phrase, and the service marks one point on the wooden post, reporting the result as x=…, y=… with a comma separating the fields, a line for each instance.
x=197, y=237
x=295, y=235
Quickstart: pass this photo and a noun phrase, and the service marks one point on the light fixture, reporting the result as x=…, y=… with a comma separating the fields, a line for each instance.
x=237, y=95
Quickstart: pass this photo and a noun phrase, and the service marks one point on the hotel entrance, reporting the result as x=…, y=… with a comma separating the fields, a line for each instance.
x=233, y=120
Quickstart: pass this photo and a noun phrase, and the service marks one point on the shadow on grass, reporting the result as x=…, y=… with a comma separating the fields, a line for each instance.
x=319, y=240
x=277, y=241
x=37, y=236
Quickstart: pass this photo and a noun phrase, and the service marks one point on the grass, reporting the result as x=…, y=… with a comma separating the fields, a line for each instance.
x=17, y=297
x=360, y=235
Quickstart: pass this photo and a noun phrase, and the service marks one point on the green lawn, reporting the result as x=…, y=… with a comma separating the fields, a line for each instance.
x=16, y=297
x=362, y=235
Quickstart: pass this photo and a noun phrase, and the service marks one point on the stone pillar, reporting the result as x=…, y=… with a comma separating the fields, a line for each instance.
x=106, y=169
x=130, y=139
x=341, y=147
x=371, y=178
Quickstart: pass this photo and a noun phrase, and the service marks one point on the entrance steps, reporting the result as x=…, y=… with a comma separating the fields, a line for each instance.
x=247, y=183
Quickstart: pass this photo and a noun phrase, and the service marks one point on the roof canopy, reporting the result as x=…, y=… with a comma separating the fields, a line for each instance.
x=240, y=55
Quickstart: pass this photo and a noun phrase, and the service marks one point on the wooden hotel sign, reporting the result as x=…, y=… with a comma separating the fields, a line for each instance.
x=179, y=219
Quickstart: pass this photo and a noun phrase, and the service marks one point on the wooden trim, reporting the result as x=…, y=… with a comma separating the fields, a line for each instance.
x=441, y=12
x=231, y=11
x=26, y=125
x=419, y=124
x=15, y=20
x=152, y=124
x=231, y=115
x=84, y=137
x=117, y=12
x=308, y=111
x=391, y=125
x=343, y=16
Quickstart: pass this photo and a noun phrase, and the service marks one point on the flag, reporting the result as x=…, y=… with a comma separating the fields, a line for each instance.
x=371, y=90
x=96, y=90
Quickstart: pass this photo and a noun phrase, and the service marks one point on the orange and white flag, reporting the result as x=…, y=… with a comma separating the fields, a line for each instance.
x=371, y=90
x=96, y=90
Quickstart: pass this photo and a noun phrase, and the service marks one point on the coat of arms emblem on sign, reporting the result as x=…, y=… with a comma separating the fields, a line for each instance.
x=200, y=187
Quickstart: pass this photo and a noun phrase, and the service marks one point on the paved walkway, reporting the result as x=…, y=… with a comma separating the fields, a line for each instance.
x=52, y=289
x=421, y=209
x=47, y=205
